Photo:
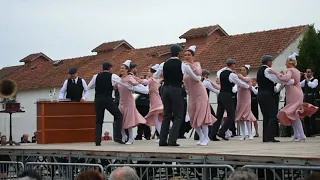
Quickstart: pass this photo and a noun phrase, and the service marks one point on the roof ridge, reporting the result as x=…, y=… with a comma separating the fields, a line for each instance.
x=160, y=45
x=66, y=59
x=270, y=30
x=205, y=27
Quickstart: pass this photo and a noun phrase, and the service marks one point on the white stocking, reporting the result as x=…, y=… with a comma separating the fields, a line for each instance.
x=243, y=128
x=157, y=123
x=124, y=136
x=199, y=131
x=295, y=133
x=130, y=130
x=205, y=131
x=248, y=123
x=299, y=128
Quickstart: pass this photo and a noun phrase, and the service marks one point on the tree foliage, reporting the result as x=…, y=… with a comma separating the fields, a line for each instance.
x=309, y=51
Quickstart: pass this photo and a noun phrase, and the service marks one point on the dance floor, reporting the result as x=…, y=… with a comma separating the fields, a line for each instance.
x=285, y=152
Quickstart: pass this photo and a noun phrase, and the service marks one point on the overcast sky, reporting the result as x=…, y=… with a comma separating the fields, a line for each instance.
x=71, y=28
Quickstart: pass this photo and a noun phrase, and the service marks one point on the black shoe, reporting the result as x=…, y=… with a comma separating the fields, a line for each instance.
x=222, y=137
x=98, y=144
x=182, y=137
x=271, y=140
x=310, y=135
x=138, y=138
x=173, y=144
x=214, y=139
x=119, y=141
x=163, y=144
x=148, y=138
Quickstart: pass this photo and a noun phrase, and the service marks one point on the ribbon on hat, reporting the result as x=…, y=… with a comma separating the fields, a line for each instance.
x=247, y=66
x=155, y=67
x=127, y=63
x=293, y=56
x=192, y=48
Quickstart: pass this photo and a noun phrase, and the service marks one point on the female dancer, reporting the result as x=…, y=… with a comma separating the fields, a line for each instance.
x=198, y=104
x=155, y=115
x=244, y=114
x=295, y=108
x=131, y=116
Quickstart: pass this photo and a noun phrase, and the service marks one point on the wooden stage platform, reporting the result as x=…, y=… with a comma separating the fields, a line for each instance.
x=233, y=151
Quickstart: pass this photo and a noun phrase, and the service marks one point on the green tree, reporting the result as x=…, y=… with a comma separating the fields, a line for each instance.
x=309, y=51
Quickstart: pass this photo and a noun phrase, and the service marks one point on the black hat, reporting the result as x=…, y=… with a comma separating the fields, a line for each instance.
x=132, y=65
x=205, y=72
x=231, y=61
x=175, y=49
x=106, y=65
x=267, y=58
x=73, y=70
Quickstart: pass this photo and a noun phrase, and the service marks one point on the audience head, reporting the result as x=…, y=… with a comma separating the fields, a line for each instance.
x=314, y=176
x=90, y=175
x=124, y=173
x=30, y=175
x=3, y=139
x=243, y=174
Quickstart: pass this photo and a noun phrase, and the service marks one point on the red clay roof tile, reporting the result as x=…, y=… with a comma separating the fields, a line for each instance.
x=202, y=31
x=244, y=48
x=34, y=56
x=109, y=46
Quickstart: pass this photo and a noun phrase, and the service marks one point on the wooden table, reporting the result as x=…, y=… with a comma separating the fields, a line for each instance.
x=65, y=122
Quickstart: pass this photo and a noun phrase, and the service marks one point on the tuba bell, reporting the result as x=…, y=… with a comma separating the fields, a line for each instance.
x=8, y=88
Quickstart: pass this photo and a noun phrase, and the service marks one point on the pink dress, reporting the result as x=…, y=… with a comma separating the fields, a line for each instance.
x=295, y=107
x=198, y=104
x=243, y=110
x=127, y=105
x=156, y=106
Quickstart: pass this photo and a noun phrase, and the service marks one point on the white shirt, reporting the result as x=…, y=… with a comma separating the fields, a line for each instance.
x=116, y=79
x=235, y=89
x=312, y=84
x=273, y=77
x=184, y=68
x=233, y=78
x=209, y=86
x=63, y=90
x=254, y=90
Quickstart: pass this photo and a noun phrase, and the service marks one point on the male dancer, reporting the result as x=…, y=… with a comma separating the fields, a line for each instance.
x=267, y=100
x=172, y=96
x=103, y=84
x=227, y=80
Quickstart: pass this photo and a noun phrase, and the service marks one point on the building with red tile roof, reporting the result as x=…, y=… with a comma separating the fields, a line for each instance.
x=39, y=73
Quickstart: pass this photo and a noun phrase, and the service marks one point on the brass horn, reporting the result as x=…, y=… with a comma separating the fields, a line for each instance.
x=8, y=88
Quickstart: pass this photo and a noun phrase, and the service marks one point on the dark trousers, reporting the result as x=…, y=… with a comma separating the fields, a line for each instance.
x=172, y=100
x=268, y=106
x=196, y=135
x=143, y=129
x=185, y=126
x=255, y=109
x=310, y=122
x=102, y=103
x=224, y=103
x=233, y=128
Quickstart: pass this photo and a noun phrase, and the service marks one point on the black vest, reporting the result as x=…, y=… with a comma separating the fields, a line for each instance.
x=142, y=100
x=74, y=90
x=253, y=96
x=104, y=84
x=172, y=73
x=308, y=90
x=264, y=83
x=226, y=85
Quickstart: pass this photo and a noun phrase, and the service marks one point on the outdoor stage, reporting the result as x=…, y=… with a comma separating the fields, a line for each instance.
x=232, y=152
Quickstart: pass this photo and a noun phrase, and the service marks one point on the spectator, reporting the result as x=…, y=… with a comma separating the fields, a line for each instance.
x=90, y=175
x=126, y=173
x=106, y=136
x=243, y=174
x=25, y=138
x=4, y=167
x=34, y=137
x=30, y=175
x=314, y=176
